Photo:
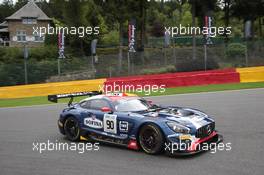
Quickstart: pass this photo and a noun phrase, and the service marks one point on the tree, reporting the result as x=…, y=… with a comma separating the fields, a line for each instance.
x=248, y=10
x=20, y=3
x=142, y=22
x=193, y=3
x=117, y=15
x=82, y=14
x=200, y=8
x=227, y=5
x=6, y=9
x=53, y=8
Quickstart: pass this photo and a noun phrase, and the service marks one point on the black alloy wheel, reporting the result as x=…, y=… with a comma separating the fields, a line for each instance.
x=72, y=129
x=151, y=139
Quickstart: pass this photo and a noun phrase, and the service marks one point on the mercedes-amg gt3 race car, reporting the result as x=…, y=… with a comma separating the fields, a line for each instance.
x=132, y=121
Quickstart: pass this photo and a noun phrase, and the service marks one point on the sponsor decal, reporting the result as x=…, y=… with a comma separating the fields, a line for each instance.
x=123, y=135
x=123, y=126
x=209, y=129
x=93, y=122
x=185, y=137
x=110, y=123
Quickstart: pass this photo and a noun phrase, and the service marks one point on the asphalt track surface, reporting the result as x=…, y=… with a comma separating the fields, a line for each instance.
x=239, y=116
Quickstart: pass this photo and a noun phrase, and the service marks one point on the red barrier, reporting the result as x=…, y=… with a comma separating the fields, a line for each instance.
x=179, y=79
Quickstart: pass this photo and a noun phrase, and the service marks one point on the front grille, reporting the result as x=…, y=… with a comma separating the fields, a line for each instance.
x=204, y=131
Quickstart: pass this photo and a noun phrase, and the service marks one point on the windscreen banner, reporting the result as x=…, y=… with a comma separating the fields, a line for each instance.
x=61, y=44
x=132, y=35
x=208, y=25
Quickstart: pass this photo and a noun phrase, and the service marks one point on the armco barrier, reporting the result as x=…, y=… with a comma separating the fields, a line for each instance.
x=178, y=79
x=50, y=88
x=251, y=74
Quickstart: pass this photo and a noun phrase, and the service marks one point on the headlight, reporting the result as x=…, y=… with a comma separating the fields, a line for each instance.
x=178, y=128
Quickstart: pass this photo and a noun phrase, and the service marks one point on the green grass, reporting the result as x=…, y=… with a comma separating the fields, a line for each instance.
x=208, y=88
x=179, y=90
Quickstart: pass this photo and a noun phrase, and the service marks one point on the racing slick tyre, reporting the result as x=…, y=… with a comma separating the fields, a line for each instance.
x=72, y=129
x=151, y=139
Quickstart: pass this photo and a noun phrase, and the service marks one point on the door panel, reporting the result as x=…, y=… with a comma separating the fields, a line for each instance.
x=94, y=120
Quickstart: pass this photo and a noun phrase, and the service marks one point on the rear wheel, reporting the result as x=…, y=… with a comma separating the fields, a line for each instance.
x=151, y=139
x=72, y=129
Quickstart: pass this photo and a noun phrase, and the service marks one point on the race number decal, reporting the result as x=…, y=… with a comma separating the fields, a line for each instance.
x=110, y=123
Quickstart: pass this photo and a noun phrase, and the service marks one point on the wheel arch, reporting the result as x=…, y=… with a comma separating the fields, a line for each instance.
x=65, y=118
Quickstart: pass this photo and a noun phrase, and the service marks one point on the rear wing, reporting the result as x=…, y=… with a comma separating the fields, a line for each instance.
x=54, y=98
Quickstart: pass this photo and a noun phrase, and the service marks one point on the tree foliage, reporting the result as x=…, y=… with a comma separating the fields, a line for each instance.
x=152, y=16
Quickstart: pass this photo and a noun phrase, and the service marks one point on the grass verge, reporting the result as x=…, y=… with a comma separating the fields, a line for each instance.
x=169, y=91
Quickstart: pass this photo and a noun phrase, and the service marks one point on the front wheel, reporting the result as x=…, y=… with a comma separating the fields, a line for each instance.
x=151, y=139
x=72, y=129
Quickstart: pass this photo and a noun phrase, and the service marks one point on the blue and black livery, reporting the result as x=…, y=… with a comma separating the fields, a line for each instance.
x=131, y=121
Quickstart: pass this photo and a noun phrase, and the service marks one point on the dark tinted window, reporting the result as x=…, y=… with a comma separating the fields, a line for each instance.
x=85, y=104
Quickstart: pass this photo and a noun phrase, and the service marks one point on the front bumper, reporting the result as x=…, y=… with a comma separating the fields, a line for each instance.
x=192, y=145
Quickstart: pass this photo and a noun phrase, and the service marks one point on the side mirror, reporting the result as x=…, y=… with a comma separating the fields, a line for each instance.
x=106, y=109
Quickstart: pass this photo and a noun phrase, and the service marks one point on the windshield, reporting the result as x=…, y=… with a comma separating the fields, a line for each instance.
x=132, y=105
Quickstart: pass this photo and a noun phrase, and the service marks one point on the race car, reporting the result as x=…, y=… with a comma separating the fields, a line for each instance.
x=128, y=120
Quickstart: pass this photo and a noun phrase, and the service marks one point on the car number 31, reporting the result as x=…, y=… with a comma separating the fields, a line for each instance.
x=110, y=123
